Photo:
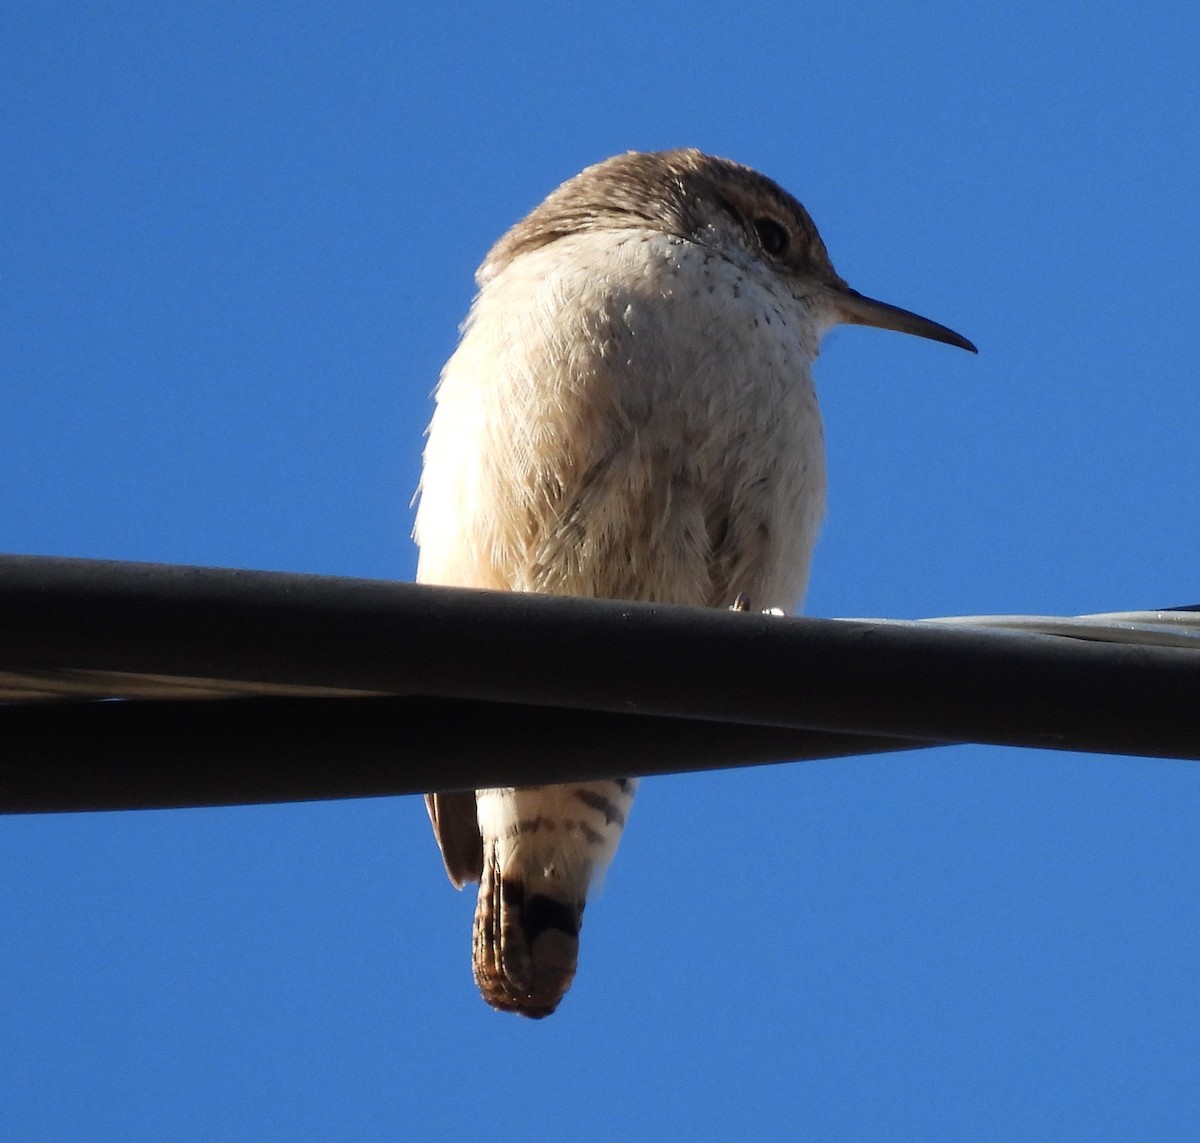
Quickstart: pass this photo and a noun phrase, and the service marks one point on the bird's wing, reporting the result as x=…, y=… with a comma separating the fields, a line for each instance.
x=456, y=827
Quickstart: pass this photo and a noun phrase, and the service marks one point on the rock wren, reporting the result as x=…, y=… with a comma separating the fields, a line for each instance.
x=629, y=414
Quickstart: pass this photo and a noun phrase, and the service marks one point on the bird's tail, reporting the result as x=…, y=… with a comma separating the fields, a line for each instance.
x=543, y=846
x=526, y=944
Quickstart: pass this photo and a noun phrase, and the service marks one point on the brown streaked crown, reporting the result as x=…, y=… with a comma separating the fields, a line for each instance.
x=675, y=192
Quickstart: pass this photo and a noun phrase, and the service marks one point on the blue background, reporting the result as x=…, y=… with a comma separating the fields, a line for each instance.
x=236, y=244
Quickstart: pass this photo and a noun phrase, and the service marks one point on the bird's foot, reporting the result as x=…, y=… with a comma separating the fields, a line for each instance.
x=741, y=602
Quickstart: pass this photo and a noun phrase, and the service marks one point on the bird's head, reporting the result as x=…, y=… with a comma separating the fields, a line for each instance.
x=731, y=209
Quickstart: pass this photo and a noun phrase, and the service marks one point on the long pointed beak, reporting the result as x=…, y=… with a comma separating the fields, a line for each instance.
x=856, y=309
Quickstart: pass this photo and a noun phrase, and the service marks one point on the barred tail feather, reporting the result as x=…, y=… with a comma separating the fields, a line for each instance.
x=526, y=947
x=543, y=847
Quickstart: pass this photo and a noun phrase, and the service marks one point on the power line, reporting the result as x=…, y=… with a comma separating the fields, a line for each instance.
x=354, y=687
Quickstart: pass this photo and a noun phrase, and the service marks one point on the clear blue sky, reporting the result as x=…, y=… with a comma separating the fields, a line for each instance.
x=237, y=242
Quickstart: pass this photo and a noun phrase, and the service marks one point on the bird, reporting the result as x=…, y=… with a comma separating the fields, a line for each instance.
x=629, y=414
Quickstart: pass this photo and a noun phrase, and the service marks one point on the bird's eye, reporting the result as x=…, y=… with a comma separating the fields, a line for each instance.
x=772, y=236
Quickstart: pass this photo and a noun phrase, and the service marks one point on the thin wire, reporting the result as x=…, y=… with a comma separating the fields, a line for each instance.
x=1167, y=628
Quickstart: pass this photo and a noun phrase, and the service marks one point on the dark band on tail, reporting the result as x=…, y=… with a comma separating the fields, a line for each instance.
x=601, y=805
x=525, y=948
